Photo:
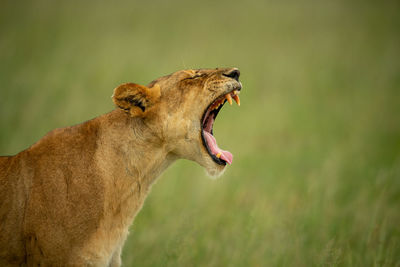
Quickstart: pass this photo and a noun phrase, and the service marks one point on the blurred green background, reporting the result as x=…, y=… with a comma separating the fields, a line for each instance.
x=316, y=174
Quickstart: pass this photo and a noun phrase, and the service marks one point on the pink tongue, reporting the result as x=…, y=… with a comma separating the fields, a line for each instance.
x=212, y=144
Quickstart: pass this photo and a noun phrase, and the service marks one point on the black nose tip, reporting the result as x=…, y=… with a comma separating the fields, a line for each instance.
x=234, y=74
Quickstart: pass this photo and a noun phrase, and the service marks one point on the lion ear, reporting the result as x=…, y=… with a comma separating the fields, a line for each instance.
x=136, y=99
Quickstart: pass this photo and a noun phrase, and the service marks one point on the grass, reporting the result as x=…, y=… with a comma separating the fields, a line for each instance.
x=316, y=174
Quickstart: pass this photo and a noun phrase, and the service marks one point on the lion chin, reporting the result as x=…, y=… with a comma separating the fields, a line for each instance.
x=214, y=172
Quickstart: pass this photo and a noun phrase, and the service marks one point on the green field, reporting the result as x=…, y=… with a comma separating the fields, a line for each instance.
x=315, y=179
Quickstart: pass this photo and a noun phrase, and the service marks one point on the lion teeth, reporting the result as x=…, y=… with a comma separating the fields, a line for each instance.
x=237, y=99
x=229, y=98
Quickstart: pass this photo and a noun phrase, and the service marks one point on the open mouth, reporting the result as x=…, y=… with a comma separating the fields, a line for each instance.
x=207, y=122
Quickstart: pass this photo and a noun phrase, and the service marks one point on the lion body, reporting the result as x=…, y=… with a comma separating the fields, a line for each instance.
x=71, y=202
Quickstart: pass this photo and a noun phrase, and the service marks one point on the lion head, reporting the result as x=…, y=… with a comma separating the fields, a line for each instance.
x=180, y=110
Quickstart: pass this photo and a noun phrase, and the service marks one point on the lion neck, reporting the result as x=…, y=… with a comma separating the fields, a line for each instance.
x=132, y=150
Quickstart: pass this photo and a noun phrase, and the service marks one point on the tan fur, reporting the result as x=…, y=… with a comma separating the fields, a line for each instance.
x=69, y=199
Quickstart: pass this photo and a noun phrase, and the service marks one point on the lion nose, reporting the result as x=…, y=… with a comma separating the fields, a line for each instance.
x=233, y=73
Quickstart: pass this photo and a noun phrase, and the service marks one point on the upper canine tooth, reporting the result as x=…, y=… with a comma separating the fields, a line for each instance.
x=229, y=98
x=237, y=99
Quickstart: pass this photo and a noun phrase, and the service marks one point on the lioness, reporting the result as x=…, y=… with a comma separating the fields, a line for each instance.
x=70, y=198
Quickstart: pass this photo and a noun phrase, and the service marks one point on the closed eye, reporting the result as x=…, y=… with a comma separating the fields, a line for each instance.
x=195, y=76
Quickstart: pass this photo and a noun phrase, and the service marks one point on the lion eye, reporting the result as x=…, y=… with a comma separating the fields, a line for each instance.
x=198, y=75
x=194, y=76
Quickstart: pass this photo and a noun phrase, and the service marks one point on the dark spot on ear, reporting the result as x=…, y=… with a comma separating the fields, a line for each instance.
x=136, y=102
